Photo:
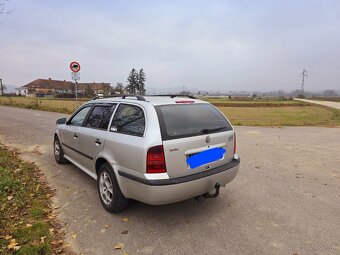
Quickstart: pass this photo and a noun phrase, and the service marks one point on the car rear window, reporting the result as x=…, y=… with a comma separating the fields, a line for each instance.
x=184, y=120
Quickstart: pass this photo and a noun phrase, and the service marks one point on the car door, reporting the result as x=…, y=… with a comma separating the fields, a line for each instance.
x=92, y=134
x=69, y=135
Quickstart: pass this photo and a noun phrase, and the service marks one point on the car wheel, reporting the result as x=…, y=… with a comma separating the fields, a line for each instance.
x=109, y=192
x=58, y=152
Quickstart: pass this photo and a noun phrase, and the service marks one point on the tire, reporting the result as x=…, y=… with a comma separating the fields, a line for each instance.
x=58, y=152
x=109, y=192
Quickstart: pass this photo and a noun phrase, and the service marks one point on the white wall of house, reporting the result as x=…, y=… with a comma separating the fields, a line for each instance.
x=21, y=91
x=64, y=91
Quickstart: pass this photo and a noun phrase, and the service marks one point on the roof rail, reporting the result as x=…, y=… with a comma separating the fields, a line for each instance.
x=173, y=96
x=123, y=96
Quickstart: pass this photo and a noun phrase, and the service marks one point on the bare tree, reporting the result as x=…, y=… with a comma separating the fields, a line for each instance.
x=119, y=88
x=3, y=9
x=108, y=89
x=88, y=91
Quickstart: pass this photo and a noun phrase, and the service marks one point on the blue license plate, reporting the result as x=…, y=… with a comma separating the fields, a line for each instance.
x=206, y=157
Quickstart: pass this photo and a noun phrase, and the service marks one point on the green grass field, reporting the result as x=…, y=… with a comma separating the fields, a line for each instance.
x=245, y=113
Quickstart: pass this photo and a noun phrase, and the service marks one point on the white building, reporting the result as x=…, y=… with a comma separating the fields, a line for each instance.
x=21, y=91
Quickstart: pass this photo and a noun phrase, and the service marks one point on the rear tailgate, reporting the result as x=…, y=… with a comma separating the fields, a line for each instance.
x=196, y=138
x=178, y=151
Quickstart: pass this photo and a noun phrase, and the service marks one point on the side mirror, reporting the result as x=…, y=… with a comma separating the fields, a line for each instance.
x=61, y=121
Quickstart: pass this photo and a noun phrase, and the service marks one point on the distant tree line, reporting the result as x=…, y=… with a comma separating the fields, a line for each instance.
x=296, y=93
x=277, y=93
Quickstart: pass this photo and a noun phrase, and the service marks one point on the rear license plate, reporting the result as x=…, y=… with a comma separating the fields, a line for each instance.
x=206, y=157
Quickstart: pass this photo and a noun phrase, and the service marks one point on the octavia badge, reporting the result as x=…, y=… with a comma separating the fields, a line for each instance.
x=207, y=139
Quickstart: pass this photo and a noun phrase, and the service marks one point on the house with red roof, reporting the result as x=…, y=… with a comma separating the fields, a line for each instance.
x=49, y=87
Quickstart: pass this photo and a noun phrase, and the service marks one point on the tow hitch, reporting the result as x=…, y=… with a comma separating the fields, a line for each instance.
x=208, y=195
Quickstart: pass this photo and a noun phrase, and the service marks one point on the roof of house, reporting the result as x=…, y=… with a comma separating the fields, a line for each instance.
x=63, y=85
x=49, y=84
x=94, y=85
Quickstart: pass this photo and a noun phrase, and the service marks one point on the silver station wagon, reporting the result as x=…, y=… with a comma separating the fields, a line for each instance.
x=154, y=149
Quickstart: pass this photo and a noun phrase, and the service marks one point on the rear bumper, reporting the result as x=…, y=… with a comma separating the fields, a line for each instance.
x=165, y=191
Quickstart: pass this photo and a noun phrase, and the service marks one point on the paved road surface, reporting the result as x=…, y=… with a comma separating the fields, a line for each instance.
x=331, y=104
x=285, y=200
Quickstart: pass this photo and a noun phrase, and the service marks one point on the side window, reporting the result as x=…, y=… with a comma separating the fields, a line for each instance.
x=100, y=116
x=78, y=119
x=129, y=119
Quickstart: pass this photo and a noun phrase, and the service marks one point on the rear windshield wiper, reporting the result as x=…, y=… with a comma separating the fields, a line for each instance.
x=208, y=130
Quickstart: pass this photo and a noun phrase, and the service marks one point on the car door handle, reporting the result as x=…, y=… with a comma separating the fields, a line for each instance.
x=75, y=136
x=98, y=141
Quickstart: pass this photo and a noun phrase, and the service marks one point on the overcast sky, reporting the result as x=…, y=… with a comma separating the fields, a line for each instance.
x=222, y=45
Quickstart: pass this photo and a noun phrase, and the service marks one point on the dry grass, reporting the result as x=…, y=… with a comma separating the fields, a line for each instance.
x=247, y=113
x=54, y=105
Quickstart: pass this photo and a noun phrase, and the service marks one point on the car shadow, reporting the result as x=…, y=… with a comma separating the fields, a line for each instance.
x=186, y=212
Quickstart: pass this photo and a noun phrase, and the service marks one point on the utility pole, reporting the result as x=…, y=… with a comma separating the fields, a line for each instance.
x=304, y=74
x=2, y=87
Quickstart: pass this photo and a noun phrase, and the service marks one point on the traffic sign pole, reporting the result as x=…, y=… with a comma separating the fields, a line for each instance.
x=76, y=92
x=75, y=77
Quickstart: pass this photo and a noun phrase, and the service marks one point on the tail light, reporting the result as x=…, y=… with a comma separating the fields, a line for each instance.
x=234, y=143
x=155, y=160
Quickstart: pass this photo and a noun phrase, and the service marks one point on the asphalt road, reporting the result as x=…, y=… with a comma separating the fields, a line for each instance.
x=331, y=104
x=285, y=200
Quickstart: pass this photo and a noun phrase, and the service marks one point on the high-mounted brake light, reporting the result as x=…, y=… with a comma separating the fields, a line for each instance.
x=185, y=102
x=155, y=160
x=234, y=143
